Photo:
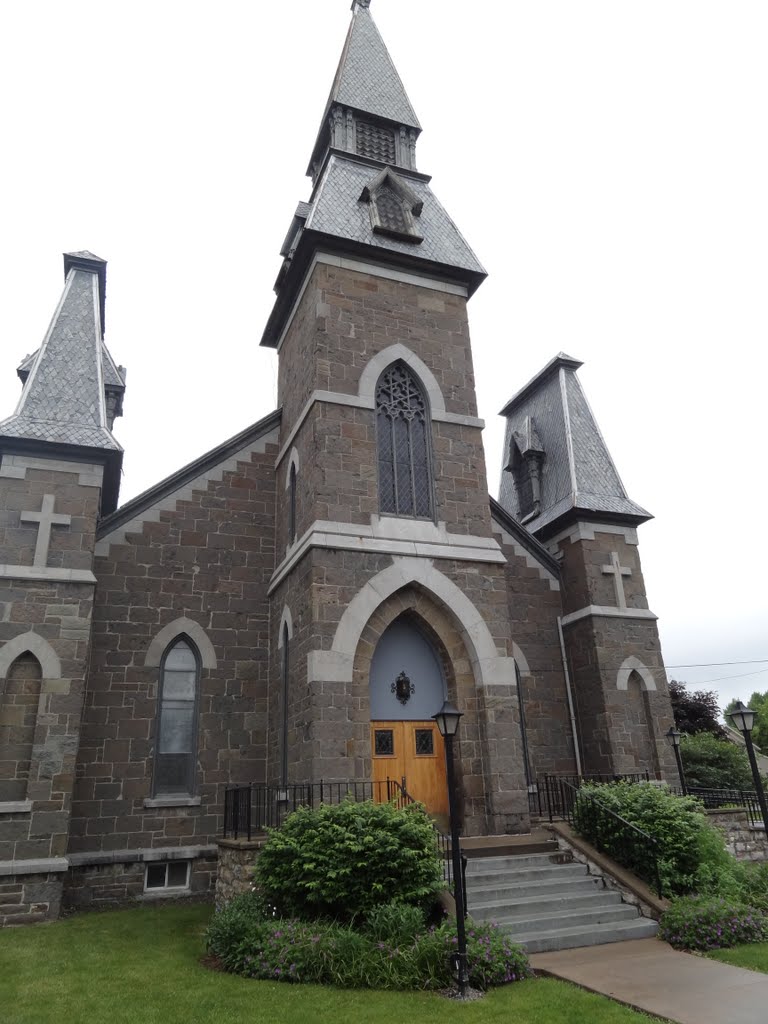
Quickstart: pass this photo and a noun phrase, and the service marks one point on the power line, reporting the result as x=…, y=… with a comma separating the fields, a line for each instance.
x=721, y=679
x=722, y=664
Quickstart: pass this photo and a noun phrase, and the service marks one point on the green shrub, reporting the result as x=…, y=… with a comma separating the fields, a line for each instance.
x=702, y=923
x=711, y=763
x=394, y=923
x=753, y=880
x=332, y=954
x=691, y=851
x=340, y=861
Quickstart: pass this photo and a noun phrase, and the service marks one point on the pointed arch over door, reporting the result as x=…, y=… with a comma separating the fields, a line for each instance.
x=407, y=686
x=19, y=705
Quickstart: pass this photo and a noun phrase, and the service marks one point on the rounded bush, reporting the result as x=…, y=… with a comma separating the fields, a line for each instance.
x=702, y=923
x=342, y=860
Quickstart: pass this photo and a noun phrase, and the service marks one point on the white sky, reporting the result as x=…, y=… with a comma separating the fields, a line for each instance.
x=608, y=162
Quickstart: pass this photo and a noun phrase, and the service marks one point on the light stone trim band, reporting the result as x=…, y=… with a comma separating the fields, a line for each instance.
x=490, y=667
x=15, y=467
x=356, y=402
x=82, y=860
x=608, y=613
x=36, y=866
x=45, y=574
x=375, y=270
x=587, y=531
x=15, y=807
x=184, y=493
x=390, y=536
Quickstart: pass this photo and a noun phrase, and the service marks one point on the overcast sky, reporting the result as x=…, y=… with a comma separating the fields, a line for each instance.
x=608, y=162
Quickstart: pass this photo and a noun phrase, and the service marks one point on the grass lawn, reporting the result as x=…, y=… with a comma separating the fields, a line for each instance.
x=141, y=966
x=752, y=955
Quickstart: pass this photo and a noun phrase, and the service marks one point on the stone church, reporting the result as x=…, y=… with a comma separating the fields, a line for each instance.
x=297, y=603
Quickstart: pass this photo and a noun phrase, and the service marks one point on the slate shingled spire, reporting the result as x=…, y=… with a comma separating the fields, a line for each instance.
x=368, y=198
x=63, y=401
x=578, y=474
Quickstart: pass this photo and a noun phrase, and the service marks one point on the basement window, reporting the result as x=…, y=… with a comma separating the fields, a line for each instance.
x=169, y=875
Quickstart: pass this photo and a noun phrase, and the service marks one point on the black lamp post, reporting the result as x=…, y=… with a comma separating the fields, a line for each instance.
x=673, y=738
x=743, y=719
x=447, y=720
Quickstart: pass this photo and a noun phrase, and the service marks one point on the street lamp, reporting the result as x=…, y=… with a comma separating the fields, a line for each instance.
x=673, y=738
x=447, y=720
x=743, y=719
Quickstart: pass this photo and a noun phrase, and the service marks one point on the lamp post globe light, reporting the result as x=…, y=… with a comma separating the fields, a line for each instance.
x=673, y=738
x=447, y=719
x=743, y=719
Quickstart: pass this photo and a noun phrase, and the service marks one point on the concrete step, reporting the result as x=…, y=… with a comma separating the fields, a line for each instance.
x=520, y=862
x=542, y=887
x=586, y=918
x=571, y=938
x=508, y=849
x=532, y=873
x=556, y=903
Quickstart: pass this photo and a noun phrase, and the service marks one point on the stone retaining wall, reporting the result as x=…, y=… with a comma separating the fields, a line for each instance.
x=742, y=840
x=235, y=872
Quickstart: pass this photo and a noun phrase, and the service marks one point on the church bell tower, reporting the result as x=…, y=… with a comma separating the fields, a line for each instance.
x=383, y=518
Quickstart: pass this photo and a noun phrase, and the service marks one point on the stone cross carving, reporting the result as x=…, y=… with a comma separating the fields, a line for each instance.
x=45, y=519
x=617, y=571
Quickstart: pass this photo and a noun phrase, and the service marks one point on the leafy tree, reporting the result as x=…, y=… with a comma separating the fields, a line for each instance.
x=696, y=711
x=759, y=704
x=711, y=763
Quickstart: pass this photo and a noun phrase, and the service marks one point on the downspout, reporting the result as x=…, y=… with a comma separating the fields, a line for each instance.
x=570, y=697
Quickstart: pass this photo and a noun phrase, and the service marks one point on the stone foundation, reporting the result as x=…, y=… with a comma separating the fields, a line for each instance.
x=235, y=870
x=29, y=898
x=742, y=840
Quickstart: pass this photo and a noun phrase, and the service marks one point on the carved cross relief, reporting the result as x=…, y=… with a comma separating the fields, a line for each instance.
x=46, y=519
x=617, y=570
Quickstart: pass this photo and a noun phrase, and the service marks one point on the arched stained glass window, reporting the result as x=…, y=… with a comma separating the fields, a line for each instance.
x=177, y=724
x=403, y=442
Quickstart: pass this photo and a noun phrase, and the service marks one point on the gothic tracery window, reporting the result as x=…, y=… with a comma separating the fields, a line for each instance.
x=402, y=438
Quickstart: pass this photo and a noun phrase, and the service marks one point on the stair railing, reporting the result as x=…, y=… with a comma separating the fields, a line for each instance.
x=628, y=845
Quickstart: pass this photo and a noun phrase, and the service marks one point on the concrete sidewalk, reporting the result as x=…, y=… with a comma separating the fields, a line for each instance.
x=651, y=976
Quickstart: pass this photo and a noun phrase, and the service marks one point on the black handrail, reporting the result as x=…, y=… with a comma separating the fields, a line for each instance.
x=714, y=798
x=628, y=845
x=548, y=798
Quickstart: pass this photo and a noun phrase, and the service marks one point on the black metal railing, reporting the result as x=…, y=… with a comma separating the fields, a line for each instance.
x=553, y=799
x=716, y=798
x=251, y=810
x=609, y=832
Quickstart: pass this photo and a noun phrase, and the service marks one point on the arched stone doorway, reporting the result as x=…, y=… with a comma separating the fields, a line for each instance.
x=406, y=687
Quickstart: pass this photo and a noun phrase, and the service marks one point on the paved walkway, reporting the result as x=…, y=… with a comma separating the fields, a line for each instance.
x=653, y=977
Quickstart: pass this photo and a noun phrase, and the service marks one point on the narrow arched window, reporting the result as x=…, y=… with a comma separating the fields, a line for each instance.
x=403, y=443
x=177, y=720
x=285, y=668
x=292, y=504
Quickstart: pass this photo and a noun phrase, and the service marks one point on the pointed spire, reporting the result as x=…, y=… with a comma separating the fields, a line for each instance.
x=63, y=401
x=367, y=91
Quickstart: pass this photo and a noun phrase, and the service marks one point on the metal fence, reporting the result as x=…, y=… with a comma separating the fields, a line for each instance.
x=716, y=798
x=251, y=810
x=554, y=793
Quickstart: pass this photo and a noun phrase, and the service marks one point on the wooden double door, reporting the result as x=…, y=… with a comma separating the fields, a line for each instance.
x=413, y=751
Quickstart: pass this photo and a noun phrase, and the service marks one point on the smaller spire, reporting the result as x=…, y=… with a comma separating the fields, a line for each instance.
x=364, y=4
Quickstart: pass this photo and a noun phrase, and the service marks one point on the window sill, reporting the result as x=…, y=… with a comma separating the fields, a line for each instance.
x=172, y=801
x=15, y=806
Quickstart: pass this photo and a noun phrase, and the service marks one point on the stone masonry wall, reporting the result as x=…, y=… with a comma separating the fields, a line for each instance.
x=29, y=898
x=742, y=840
x=208, y=559
x=237, y=859
x=103, y=886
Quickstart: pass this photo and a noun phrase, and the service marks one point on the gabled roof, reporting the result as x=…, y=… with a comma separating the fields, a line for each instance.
x=187, y=474
x=578, y=475
x=63, y=398
x=524, y=538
